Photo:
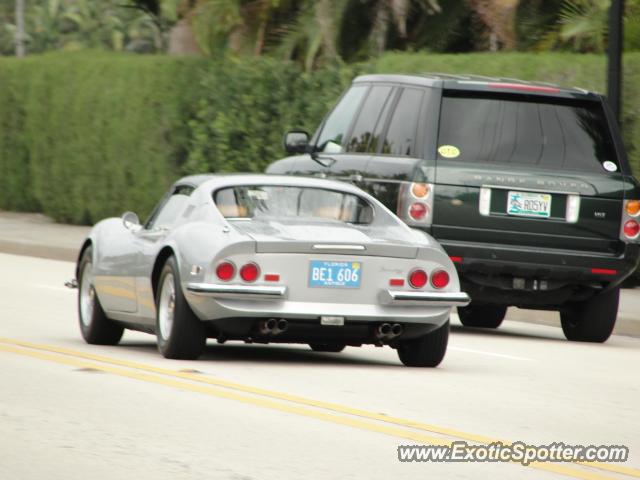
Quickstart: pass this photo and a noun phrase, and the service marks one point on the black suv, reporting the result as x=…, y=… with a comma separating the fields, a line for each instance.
x=526, y=185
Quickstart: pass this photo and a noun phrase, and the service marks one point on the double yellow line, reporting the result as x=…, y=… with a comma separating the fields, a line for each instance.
x=417, y=432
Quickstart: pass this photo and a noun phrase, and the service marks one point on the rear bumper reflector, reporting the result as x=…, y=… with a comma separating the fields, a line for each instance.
x=435, y=299
x=604, y=271
x=237, y=291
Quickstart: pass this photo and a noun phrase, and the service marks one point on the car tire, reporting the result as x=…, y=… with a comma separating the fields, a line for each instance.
x=327, y=347
x=592, y=320
x=95, y=327
x=181, y=335
x=482, y=316
x=427, y=350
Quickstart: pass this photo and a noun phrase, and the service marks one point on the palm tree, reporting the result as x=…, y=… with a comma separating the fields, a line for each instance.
x=327, y=30
x=19, y=34
x=499, y=18
x=583, y=24
x=394, y=13
x=306, y=30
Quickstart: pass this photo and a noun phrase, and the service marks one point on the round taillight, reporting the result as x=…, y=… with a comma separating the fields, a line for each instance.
x=631, y=229
x=439, y=279
x=418, y=210
x=225, y=271
x=250, y=272
x=418, y=278
x=633, y=207
x=419, y=190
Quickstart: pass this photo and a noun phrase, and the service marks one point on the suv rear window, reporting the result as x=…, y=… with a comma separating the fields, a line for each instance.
x=540, y=132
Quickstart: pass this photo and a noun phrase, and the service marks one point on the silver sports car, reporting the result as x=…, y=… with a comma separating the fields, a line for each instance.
x=265, y=258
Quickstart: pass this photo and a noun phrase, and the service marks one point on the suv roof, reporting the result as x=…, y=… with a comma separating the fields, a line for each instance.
x=480, y=83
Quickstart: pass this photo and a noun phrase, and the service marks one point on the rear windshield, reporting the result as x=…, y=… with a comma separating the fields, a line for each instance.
x=256, y=201
x=547, y=133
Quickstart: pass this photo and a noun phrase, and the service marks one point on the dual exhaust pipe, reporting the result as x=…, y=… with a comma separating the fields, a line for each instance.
x=273, y=326
x=388, y=331
x=384, y=331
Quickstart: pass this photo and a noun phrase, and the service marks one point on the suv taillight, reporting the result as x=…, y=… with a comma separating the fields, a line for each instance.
x=630, y=225
x=415, y=203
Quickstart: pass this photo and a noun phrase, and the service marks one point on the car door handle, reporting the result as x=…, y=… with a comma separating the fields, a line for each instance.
x=153, y=233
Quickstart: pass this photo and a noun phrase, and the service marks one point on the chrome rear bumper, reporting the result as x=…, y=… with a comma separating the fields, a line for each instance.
x=433, y=299
x=387, y=297
x=237, y=291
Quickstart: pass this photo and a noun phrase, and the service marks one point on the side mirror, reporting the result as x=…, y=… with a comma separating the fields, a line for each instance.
x=296, y=141
x=131, y=221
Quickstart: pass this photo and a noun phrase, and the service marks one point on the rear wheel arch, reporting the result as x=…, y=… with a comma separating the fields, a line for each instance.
x=161, y=259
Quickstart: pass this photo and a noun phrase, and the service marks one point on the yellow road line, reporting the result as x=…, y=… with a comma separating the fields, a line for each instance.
x=301, y=400
x=274, y=405
x=254, y=390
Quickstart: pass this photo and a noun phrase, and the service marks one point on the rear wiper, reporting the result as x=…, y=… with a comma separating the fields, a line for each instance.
x=324, y=160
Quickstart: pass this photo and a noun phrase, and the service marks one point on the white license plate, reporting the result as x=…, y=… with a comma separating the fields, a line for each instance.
x=335, y=274
x=527, y=204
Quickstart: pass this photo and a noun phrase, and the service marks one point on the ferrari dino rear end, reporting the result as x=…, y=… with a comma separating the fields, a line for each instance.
x=327, y=267
x=261, y=258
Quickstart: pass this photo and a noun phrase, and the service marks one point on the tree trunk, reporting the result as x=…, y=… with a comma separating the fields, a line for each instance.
x=324, y=17
x=499, y=16
x=21, y=50
x=182, y=40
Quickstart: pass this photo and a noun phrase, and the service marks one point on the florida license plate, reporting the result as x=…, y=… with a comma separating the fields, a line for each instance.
x=324, y=273
x=527, y=204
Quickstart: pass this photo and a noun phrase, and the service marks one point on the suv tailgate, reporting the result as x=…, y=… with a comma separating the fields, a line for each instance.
x=527, y=171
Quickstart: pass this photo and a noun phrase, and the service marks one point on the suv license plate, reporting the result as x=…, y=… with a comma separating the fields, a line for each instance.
x=527, y=204
x=335, y=274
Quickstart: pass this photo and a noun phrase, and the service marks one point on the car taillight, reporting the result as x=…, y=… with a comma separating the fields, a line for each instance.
x=418, y=210
x=415, y=203
x=249, y=272
x=632, y=207
x=418, y=278
x=420, y=190
x=225, y=271
x=631, y=229
x=439, y=279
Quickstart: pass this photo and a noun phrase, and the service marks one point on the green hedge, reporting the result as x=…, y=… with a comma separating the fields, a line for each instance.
x=88, y=135
x=85, y=136
x=246, y=106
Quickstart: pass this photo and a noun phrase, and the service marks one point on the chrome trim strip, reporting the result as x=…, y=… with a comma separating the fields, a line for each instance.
x=484, y=203
x=327, y=246
x=521, y=188
x=237, y=291
x=572, y=211
x=441, y=299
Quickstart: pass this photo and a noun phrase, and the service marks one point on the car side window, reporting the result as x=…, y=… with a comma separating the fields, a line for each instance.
x=169, y=208
x=403, y=128
x=334, y=130
x=362, y=135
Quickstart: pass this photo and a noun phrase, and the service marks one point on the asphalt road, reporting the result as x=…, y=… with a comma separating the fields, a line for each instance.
x=73, y=411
